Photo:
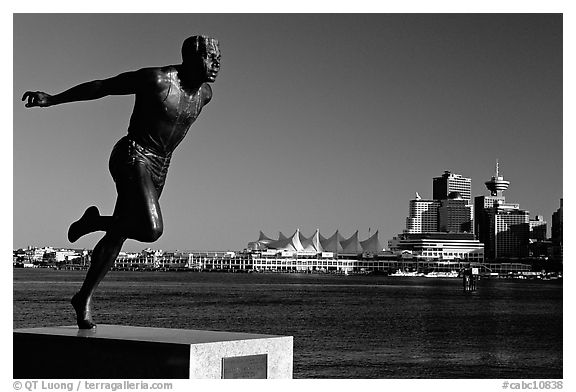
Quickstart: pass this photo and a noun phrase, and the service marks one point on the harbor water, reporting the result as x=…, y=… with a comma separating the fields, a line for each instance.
x=343, y=326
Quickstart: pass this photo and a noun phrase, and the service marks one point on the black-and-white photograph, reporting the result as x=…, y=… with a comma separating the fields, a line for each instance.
x=288, y=196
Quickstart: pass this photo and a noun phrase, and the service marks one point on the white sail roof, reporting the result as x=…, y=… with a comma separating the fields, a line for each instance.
x=264, y=239
x=336, y=243
x=372, y=244
x=332, y=244
x=351, y=245
x=291, y=243
x=311, y=244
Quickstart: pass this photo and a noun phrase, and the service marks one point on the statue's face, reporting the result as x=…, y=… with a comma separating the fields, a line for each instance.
x=201, y=56
x=211, y=62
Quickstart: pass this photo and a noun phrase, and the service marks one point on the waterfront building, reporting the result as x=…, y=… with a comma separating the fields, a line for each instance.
x=275, y=261
x=50, y=257
x=61, y=255
x=150, y=259
x=316, y=244
x=451, y=182
x=384, y=262
x=422, y=215
x=439, y=246
x=298, y=253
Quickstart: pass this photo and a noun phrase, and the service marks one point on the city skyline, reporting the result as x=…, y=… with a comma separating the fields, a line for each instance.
x=534, y=221
x=318, y=121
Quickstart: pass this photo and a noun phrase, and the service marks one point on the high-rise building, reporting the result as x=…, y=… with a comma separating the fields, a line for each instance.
x=503, y=227
x=481, y=205
x=538, y=228
x=441, y=228
x=509, y=232
x=449, y=210
x=455, y=214
x=423, y=216
x=451, y=182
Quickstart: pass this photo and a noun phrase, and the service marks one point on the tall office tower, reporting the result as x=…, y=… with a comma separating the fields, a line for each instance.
x=538, y=228
x=481, y=205
x=509, y=232
x=557, y=240
x=423, y=216
x=450, y=182
x=455, y=214
x=502, y=227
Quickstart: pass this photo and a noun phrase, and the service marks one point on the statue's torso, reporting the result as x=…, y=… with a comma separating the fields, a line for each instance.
x=162, y=117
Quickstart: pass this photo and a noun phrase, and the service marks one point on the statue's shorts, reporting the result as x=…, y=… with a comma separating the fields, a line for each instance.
x=128, y=158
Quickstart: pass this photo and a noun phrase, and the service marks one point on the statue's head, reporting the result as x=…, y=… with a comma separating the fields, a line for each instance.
x=203, y=54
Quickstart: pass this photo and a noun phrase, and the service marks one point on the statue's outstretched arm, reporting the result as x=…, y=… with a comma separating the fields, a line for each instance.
x=125, y=83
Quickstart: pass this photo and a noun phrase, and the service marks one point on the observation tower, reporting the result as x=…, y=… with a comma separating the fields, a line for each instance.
x=497, y=184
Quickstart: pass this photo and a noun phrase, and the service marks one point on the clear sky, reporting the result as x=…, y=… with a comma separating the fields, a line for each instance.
x=329, y=121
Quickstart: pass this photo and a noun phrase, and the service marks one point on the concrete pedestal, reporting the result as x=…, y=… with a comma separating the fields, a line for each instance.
x=123, y=352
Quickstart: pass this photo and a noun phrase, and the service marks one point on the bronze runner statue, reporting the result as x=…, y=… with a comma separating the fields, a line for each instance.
x=168, y=101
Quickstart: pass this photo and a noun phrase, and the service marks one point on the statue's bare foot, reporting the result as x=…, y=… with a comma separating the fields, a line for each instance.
x=83, y=312
x=84, y=225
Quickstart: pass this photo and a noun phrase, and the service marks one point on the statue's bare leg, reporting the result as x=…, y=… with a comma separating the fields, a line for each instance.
x=103, y=257
x=136, y=216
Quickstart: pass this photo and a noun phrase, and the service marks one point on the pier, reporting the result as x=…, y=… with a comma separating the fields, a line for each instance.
x=469, y=278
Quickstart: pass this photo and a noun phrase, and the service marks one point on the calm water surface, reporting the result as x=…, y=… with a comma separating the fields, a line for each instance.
x=343, y=326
